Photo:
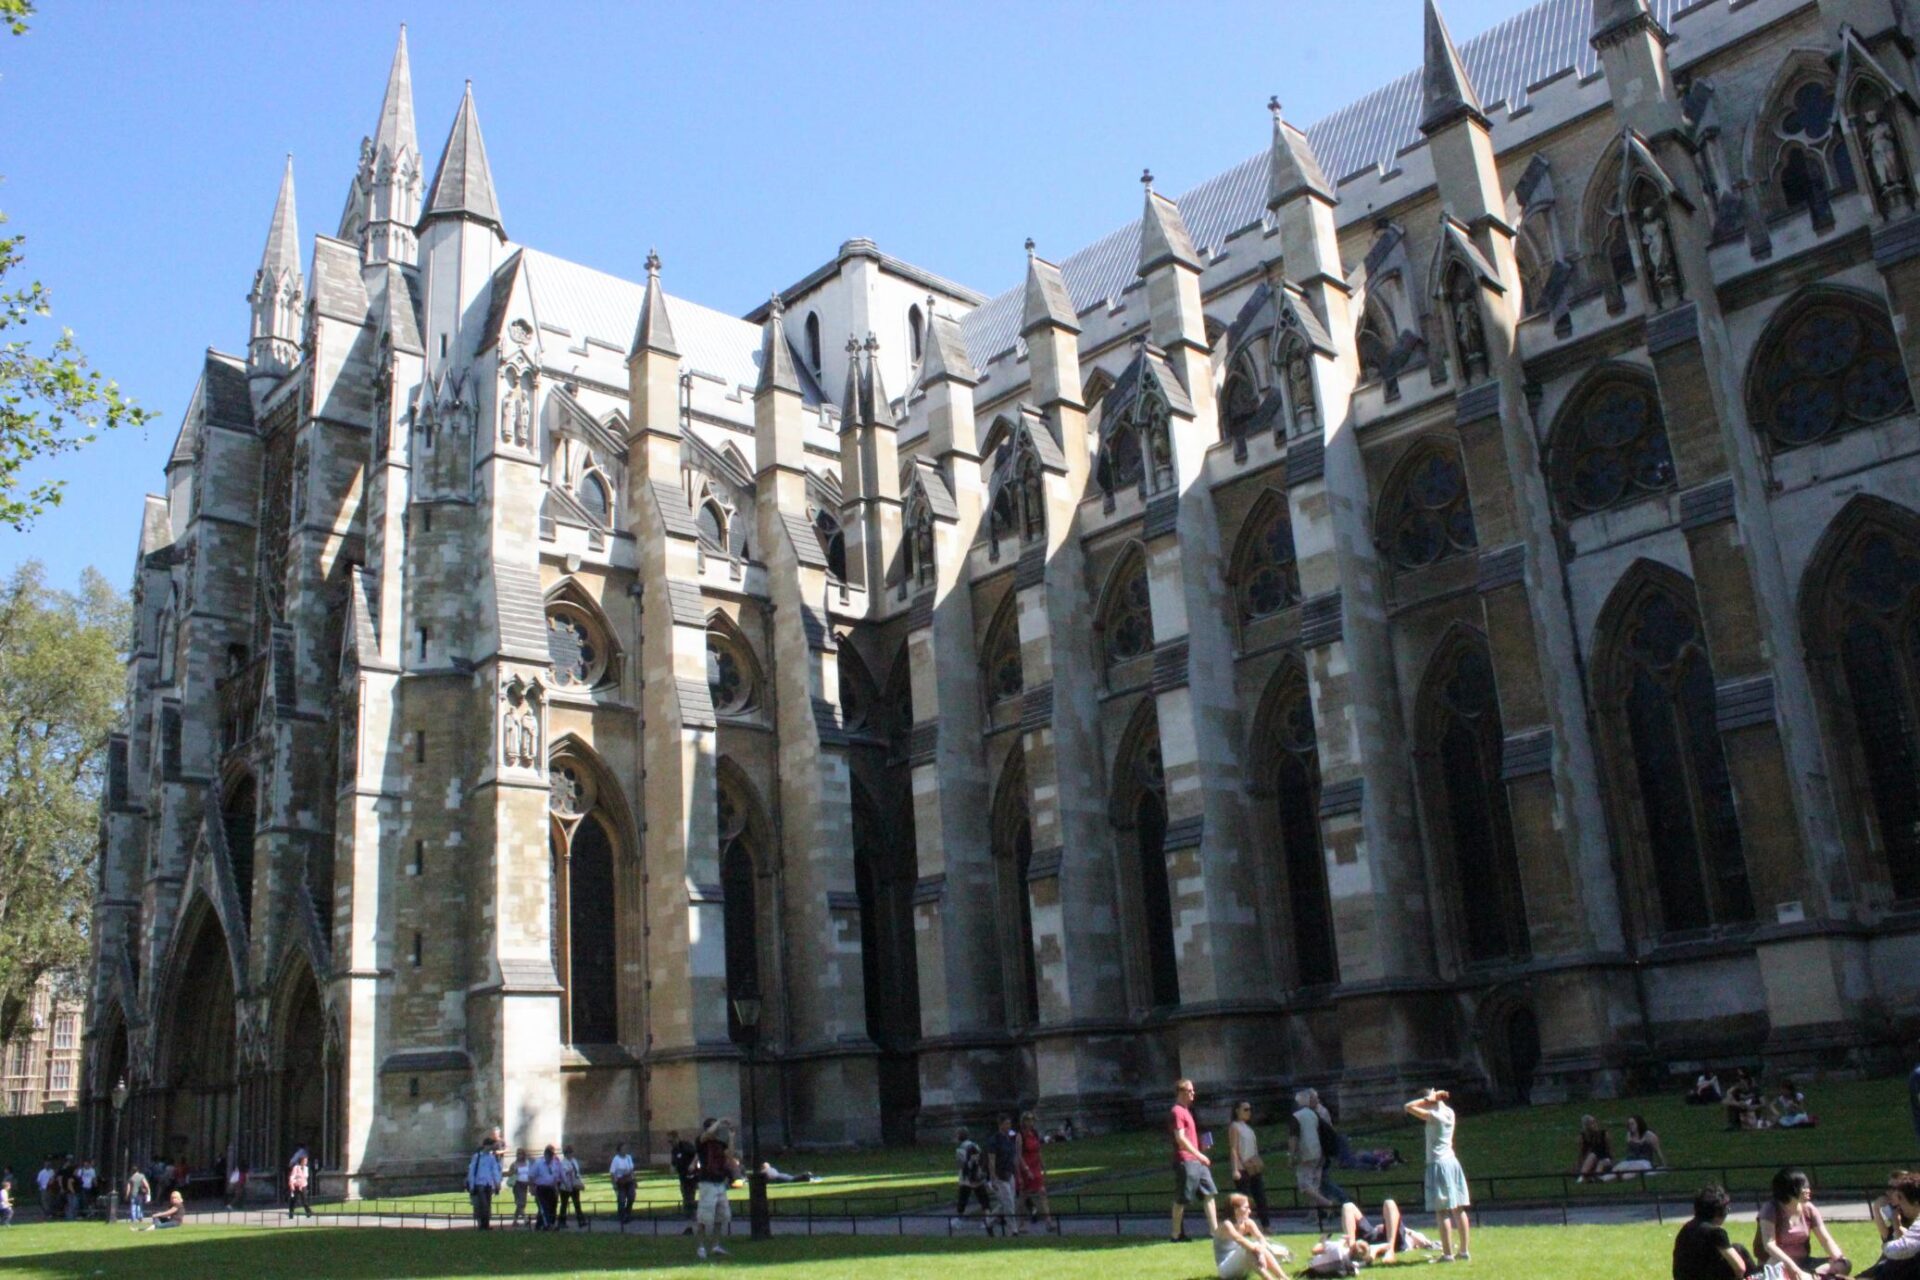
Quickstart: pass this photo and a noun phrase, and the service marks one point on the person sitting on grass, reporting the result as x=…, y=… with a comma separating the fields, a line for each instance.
x=172, y=1216
x=1702, y=1250
x=1595, y=1156
x=1706, y=1091
x=1363, y=1241
x=1241, y=1249
x=1896, y=1216
x=1644, y=1155
x=1742, y=1104
x=1789, y=1108
x=1790, y=1225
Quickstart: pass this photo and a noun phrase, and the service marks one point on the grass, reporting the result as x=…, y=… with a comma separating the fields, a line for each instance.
x=1509, y=1154
x=95, y=1252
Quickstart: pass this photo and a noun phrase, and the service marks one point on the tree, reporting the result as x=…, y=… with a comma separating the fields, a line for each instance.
x=62, y=680
x=51, y=402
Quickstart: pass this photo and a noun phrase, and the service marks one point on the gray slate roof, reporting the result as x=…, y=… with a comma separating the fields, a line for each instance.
x=1505, y=63
x=337, y=289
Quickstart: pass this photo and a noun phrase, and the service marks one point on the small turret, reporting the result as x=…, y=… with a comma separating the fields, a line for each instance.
x=463, y=182
x=274, y=346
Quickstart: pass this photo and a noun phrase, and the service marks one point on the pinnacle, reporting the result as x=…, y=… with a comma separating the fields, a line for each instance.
x=463, y=182
x=1445, y=91
x=283, y=233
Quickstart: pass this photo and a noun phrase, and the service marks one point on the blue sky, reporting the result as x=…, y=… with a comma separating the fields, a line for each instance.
x=144, y=143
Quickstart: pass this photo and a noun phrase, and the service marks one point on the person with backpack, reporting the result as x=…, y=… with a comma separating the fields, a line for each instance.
x=972, y=1168
x=483, y=1182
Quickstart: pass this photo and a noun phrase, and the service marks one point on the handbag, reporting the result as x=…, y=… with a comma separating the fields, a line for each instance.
x=1254, y=1167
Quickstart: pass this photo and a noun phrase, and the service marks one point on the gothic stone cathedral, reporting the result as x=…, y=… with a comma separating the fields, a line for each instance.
x=1440, y=601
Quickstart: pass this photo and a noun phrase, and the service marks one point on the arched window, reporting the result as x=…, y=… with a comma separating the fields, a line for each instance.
x=1466, y=800
x=1826, y=365
x=1013, y=859
x=1375, y=339
x=1609, y=446
x=1800, y=157
x=1239, y=407
x=577, y=646
x=1866, y=632
x=1660, y=702
x=732, y=677
x=712, y=519
x=813, y=342
x=1266, y=574
x=740, y=915
x=1425, y=514
x=1000, y=655
x=1139, y=799
x=916, y=332
x=592, y=993
x=1126, y=620
x=238, y=818
x=1293, y=765
x=833, y=543
x=597, y=499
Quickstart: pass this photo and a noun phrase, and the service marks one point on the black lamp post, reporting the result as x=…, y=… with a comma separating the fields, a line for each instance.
x=747, y=1009
x=120, y=1148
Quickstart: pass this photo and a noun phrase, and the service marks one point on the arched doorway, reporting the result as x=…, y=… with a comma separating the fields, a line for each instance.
x=196, y=1115
x=1139, y=812
x=301, y=1109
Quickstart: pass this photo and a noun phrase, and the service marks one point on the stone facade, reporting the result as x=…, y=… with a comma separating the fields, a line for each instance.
x=1440, y=601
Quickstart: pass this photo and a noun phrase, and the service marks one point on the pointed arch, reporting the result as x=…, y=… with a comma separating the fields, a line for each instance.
x=580, y=638
x=1240, y=402
x=1459, y=742
x=749, y=922
x=1000, y=671
x=1654, y=690
x=1137, y=806
x=198, y=1058
x=596, y=497
x=1425, y=513
x=1264, y=571
x=239, y=825
x=1604, y=239
x=1826, y=363
x=297, y=1040
x=1796, y=154
x=1123, y=617
x=1607, y=446
x=1285, y=781
x=735, y=680
x=1012, y=842
x=1879, y=116
x=1860, y=618
x=592, y=838
x=859, y=694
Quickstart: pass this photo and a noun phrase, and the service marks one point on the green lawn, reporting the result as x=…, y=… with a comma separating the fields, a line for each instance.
x=1863, y=1120
x=94, y=1252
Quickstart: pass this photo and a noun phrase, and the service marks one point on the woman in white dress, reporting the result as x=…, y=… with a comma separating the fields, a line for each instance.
x=1447, y=1194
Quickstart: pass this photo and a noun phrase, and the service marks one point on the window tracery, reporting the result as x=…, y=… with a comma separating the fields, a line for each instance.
x=1266, y=571
x=1803, y=160
x=1240, y=406
x=1428, y=515
x=576, y=645
x=730, y=675
x=1127, y=622
x=1610, y=447
x=1832, y=366
x=596, y=499
x=1000, y=665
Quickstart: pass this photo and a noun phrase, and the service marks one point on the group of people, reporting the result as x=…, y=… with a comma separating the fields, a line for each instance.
x=1791, y=1241
x=1241, y=1246
x=553, y=1180
x=1595, y=1160
x=1747, y=1106
x=1008, y=1179
x=67, y=1189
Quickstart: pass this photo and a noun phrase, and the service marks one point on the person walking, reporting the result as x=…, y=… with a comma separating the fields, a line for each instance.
x=237, y=1186
x=546, y=1188
x=299, y=1178
x=1032, y=1171
x=571, y=1185
x=1447, y=1194
x=685, y=1158
x=715, y=1212
x=88, y=1178
x=139, y=1190
x=483, y=1182
x=1249, y=1170
x=522, y=1184
x=620, y=1170
x=971, y=1166
x=1192, y=1170
x=45, y=1179
x=1003, y=1163
x=1308, y=1153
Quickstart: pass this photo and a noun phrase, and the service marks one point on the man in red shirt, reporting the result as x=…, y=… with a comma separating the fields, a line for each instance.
x=1192, y=1171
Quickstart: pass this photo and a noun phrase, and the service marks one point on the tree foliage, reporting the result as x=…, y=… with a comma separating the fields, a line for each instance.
x=62, y=680
x=51, y=401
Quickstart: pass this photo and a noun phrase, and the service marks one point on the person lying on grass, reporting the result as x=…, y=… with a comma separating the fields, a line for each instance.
x=1241, y=1249
x=1362, y=1241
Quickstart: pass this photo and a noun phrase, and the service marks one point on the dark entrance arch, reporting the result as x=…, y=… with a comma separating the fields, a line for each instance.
x=196, y=1115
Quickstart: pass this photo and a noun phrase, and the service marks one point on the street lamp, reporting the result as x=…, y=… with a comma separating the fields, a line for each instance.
x=747, y=1009
x=120, y=1142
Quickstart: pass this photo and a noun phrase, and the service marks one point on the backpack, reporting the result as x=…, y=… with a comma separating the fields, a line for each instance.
x=972, y=1168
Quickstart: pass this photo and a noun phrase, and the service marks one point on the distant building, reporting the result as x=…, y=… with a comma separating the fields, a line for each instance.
x=40, y=1065
x=1437, y=603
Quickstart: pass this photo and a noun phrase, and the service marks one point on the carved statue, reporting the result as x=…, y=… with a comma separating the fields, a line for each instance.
x=1656, y=249
x=1159, y=450
x=1883, y=154
x=1300, y=389
x=923, y=549
x=523, y=412
x=1467, y=333
x=1033, y=509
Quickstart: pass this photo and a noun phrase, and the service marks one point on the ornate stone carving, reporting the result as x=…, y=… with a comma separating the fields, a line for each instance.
x=1885, y=160
x=522, y=702
x=1299, y=378
x=1657, y=256
x=516, y=407
x=1469, y=334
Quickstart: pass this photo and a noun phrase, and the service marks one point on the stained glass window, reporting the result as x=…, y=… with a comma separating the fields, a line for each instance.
x=1241, y=405
x=728, y=681
x=713, y=526
x=739, y=912
x=1129, y=621
x=1269, y=575
x=1610, y=448
x=1297, y=792
x=573, y=647
x=1429, y=518
x=1879, y=613
x=1002, y=665
x=596, y=499
x=1122, y=459
x=1466, y=748
x=591, y=994
x=1694, y=848
x=1833, y=367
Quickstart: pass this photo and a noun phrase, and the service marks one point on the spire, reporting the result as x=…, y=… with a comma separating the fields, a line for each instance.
x=851, y=414
x=1163, y=233
x=283, y=233
x=1047, y=301
x=1292, y=168
x=1445, y=92
x=879, y=409
x=776, y=361
x=655, y=330
x=463, y=183
x=395, y=134
x=946, y=358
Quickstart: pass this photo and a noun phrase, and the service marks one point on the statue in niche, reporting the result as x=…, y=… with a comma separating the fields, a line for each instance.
x=923, y=549
x=520, y=725
x=1883, y=156
x=1656, y=251
x=1467, y=332
x=1033, y=512
x=1159, y=449
x=1300, y=390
